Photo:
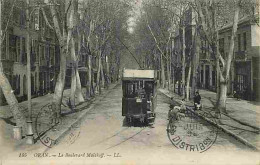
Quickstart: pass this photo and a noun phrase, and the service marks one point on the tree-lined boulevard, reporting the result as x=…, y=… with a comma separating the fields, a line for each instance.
x=61, y=65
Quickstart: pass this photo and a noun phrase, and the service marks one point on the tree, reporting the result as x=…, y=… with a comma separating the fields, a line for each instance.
x=75, y=92
x=63, y=33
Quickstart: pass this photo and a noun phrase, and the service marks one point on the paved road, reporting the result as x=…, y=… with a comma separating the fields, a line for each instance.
x=103, y=134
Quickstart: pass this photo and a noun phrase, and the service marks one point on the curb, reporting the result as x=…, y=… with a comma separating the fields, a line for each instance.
x=239, y=138
x=79, y=119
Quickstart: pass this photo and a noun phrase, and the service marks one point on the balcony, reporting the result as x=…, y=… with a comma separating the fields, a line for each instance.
x=240, y=55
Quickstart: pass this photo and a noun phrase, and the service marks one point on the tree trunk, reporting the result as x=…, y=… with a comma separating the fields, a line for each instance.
x=60, y=83
x=107, y=72
x=12, y=102
x=73, y=73
x=168, y=74
x=195, y=65
x=221, y=103
x=89, y=76
x=224, y=76
x=170, y=67
x=183, y=61
x=102, y=75
x=79, y=94
x=73, y=86
x=162, y=72
x=188, y=83
x=98, y=74
x=75, y=92
x=173, y=79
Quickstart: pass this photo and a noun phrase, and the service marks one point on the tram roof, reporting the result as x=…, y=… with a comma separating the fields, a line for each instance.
x=133, y=73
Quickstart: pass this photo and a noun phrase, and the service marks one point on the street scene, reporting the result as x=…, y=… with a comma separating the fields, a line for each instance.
x=129, y=82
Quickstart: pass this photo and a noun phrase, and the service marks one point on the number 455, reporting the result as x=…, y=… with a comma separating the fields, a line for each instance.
x=23, y=155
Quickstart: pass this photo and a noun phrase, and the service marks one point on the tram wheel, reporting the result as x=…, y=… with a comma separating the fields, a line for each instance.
x=129, y=120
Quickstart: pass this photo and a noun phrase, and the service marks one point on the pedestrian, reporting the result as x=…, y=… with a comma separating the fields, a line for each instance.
x=236, y=95
x=183, y=106
x=171, y=113
x=176, y=112
x=197, y=100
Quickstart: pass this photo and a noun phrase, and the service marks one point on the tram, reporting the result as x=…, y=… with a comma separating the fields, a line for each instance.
x=139, y=95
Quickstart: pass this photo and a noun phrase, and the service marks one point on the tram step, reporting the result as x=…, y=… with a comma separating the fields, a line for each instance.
x=150, y=118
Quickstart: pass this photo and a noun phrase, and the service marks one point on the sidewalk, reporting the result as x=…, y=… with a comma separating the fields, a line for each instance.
x=69, y=119
x=242, y=120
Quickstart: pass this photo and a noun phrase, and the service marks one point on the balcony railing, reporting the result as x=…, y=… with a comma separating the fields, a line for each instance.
x=240, y=55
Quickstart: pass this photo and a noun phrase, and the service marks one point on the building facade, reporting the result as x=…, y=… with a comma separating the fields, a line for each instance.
x=44, y=53
x=244, y=72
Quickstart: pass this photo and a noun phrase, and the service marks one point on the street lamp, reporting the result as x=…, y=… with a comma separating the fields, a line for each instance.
x=29, y=122
x=30, y=139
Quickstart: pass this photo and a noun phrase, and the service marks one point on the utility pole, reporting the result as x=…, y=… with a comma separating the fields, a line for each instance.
x=29, y=122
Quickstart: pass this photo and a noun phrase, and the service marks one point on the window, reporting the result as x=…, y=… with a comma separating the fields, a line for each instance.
x=244, y=39
x=41, y=54
x=18, y=49
x=23, y=51
x=36, y=49
x=52, y=55
x=36, y=19
x=22, y=18
x=239, y=42
x=33, y=56
x=47, y=52
x=12, y=47
x=16, y=16
x=4, y=49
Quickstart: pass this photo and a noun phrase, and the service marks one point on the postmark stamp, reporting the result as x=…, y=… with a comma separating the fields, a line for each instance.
x=191, y=132
x=46, y=122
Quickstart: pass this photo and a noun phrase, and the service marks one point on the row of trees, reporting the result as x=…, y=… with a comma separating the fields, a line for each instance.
x=159, y=48
x=86, y=31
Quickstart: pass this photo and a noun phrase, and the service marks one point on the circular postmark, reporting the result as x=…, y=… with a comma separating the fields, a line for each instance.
x=46, y=126
x=189, y=131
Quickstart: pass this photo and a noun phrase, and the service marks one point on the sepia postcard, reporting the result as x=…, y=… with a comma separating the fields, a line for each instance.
x=129, y=82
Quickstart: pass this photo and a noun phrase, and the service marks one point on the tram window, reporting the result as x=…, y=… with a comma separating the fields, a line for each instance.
x=148, y=88
x=130, y=89
x=133, y=88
